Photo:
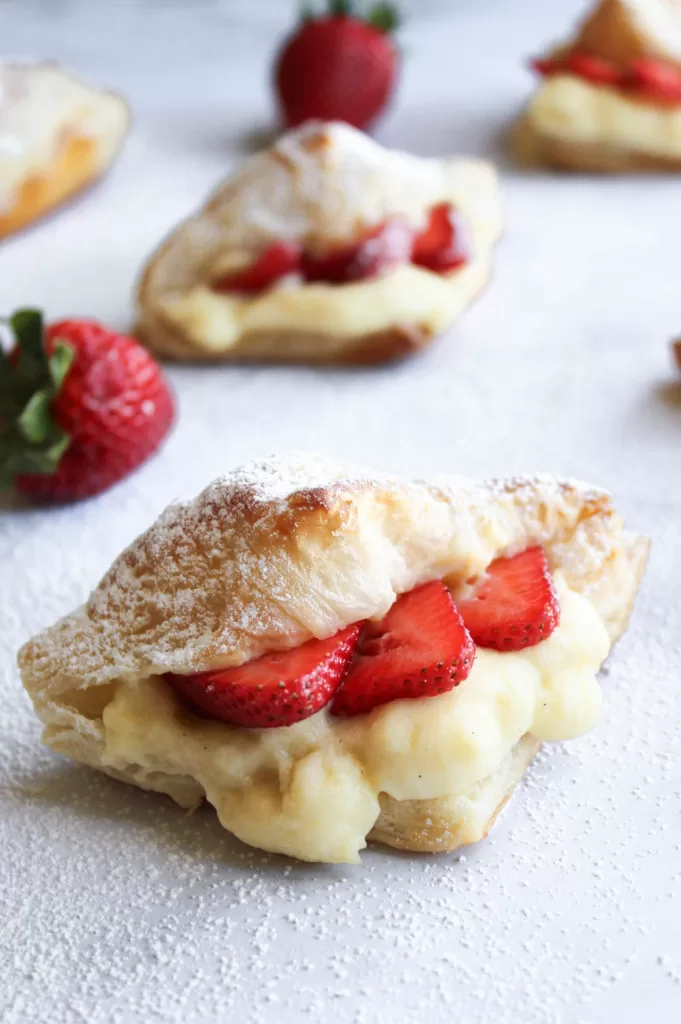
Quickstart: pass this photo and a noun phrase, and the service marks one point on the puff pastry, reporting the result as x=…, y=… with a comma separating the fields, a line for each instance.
x=612, y=102
x=57, y=136
x=320, y=186
x=294, y=548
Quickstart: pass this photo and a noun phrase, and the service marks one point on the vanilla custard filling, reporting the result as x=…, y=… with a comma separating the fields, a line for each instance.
x=572, y=108
x=406, y=295
x=311, y=789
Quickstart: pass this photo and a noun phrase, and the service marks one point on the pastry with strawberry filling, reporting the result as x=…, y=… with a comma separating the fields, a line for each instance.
x=58, y=135
x=326, y=247
x=610, y=99
x=328, y=654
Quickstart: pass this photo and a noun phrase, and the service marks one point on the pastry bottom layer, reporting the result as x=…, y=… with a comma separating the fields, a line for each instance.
x=536, y=148
x=294, y=346
x=394, y=342
x=76, y=166
x=442, y=825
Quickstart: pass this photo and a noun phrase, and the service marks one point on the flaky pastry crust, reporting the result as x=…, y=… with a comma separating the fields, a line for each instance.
x=285, y=550
x=622, y=31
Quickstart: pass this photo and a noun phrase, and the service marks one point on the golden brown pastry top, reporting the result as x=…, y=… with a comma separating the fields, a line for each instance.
x=624, y=30
x=291, y=548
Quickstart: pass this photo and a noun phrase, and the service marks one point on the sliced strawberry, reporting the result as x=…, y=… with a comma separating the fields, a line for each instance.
x=514, y=605
x=277, y=689
x=654, y=78
x=445, y=243
x=420, y=649
x=383, y=248
x=546, y=66
x=594, y=69
x=275, y=262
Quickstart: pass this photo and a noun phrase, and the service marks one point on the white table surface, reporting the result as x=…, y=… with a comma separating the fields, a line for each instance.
x=115, y=906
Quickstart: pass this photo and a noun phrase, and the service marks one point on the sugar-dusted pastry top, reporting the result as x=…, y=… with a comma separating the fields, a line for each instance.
x=291, y=548
x=40, y=104
x=322, y=184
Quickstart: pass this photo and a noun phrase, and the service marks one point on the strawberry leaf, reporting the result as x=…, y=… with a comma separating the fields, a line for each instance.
x=385, y=17
x=34, y=422
x=30, y=379
x=27, y=325
x=341, y=8
x=60, y=361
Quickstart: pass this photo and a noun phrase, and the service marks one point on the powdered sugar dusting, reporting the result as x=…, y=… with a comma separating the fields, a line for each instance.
x=323, y=182
x=115, y=906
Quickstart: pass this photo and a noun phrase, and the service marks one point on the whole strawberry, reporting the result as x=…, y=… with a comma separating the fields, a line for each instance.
x=80, y=407
x=338, y=66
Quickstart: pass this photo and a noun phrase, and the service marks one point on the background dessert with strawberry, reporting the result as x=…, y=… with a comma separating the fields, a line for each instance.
x=327, y=247
x=611, y=97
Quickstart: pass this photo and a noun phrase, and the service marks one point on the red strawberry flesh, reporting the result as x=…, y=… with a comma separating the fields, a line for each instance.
x=278, y=260
x=445, y=243
x=594, y=69
x=421, y=648
x=647, y=77
x=514, y=605
x=379, y=251
x=275, y=690
x=656, y=79
x=546, y=65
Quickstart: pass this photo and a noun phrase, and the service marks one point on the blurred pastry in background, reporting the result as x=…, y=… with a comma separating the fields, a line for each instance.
x=58, y=134
x=610, y=100
x=324, y=248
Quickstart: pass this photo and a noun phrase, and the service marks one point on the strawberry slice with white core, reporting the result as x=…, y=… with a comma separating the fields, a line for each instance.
x=655, y=78
x=445, y=243
x=379, y=251
x=278, y=260
x=274, y=690
x=514, y=605
x=421, y=648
